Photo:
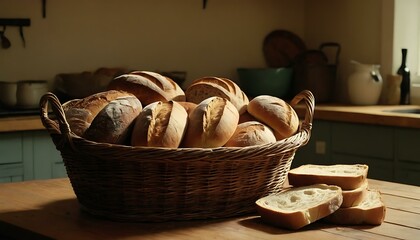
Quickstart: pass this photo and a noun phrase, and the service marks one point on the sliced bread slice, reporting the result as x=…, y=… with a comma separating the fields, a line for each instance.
x=354, y=197
x=298, y=207
x=370, y=211
x=346, y=176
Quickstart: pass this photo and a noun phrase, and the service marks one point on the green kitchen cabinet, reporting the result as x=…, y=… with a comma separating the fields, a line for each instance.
x=366, y=144
x=29, y=155
x=11, y=157
x=408, y=155
x=392, y=153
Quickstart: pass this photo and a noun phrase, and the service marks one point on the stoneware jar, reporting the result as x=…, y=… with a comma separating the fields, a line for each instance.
x=365, y=84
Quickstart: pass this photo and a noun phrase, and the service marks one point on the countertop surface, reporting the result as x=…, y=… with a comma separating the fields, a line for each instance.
x=48, y=209
x=378, y=115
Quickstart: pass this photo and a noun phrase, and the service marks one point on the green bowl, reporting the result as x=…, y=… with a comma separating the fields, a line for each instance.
x=265, y=81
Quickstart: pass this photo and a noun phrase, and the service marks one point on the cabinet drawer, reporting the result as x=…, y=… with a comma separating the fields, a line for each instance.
x=11, y=148
x=408, y=145
x=363, y=140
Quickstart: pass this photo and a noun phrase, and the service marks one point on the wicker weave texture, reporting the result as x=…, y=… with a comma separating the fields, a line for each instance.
x=125, y=183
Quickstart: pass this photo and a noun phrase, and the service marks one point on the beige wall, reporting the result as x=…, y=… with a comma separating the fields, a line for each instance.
x=170, y=35
x=355, y=24
x=159, y=35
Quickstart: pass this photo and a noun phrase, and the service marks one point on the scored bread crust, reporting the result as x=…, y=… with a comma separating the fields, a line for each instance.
x=148, y=87
x=371, y=211
x=211, y=124
x=206, y=87
x=81, y=112
x=276, y=113
x=298, y=207
x=160, y=124
x=347, y=176
x=114, y=122
x=251, y=133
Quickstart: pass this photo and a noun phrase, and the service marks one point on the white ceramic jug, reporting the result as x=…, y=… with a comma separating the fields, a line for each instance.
x=365, y=84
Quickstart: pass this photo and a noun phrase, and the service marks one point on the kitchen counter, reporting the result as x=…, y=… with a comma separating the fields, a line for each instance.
x=20, y=123
x=378, y=115
x=48, y=209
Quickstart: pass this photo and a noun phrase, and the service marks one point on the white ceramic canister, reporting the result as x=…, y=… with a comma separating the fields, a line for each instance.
x=8, y=94
x=29, y=92
x=365, y=84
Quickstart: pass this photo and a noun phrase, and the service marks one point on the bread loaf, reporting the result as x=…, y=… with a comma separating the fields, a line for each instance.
x=355, y=196
x=206, y=87
x=211, y=123
x=371, y=211
x=160, y=124
x=347, y=176
x=81, y=112
x=148, y=87
x=275, y=113
x=250, y=134
x=298, y=207
x=114, y=122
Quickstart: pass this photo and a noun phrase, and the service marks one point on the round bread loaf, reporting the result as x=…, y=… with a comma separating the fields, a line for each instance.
x=250, y=134
x=81, y=112
x=160, y=124
x=148, y=87
x=206, y=87
x=114, y=122
x=211, y=124
x=276, y=113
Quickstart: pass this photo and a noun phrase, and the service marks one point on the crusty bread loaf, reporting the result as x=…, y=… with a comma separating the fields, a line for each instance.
x=211, y=124
x=81, y=112
x=250, y=134
x=114, y=122
x=160, y=124
x=276, y=113
x=298, y=207
x=355, y=196
x=148, y=87
x=347, y=176
x=371, y=211
x=206, y=87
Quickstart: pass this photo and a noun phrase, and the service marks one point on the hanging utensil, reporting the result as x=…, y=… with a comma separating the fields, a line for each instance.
x=22, y=36
x=5, y=42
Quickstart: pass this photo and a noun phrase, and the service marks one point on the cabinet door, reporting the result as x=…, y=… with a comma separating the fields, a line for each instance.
x=47, y=159
x=11, y=148
x=317, y=150
x=11, y=157
x=408, y=155
x=365, y=144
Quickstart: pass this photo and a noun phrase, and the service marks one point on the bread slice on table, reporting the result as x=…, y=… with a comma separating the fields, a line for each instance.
x=346, y=176
x=354, y=197
x=298, y=207
x=370, y=211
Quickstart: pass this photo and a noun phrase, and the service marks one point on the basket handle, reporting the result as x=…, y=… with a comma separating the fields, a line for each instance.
x=59, y=126
x=309, y=101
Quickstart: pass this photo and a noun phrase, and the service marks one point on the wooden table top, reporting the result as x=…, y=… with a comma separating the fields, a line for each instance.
x=48, y=209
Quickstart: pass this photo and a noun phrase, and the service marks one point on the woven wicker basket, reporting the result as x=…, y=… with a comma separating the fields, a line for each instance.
x=125, y=183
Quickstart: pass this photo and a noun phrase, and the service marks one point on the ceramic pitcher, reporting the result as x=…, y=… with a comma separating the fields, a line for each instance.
x=365, y=84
